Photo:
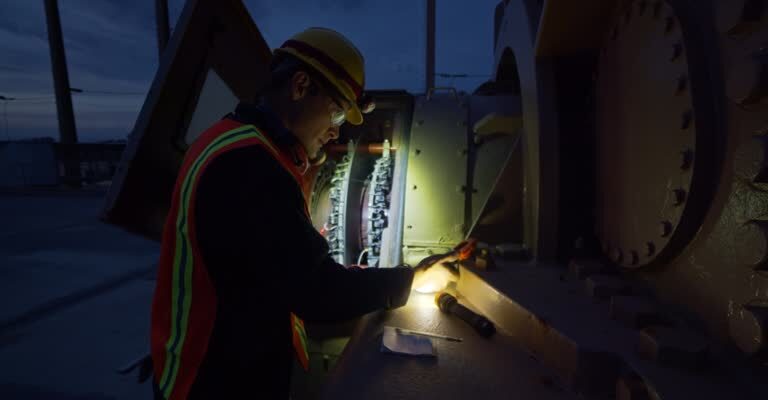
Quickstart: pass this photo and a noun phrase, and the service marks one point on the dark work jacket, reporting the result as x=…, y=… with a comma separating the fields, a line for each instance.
x=266, y=260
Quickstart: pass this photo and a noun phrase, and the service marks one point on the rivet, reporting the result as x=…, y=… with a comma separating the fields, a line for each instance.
x=666, y=228
x=686, y=120
x=687, y=159
x=679, y=196
x=682, y=84
x=650, y=248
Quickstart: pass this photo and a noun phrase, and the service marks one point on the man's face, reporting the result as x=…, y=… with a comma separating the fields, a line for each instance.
x=313, y=125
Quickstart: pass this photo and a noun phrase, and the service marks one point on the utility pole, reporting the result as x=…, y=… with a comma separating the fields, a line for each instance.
x=430, y=68
x=67, y=132
x=163, y=29
x=5, y=115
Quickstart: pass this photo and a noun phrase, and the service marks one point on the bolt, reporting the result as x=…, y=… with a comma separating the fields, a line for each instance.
x=687, y=159
x=666, y=228
x=679, y=196
x=682, y=84
x=687, y=119
x=669, y=24
x=677, y=51
x=739, y=17
x=650, y=248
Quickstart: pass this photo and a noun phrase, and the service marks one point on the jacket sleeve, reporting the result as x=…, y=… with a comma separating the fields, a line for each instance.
x=253, y=232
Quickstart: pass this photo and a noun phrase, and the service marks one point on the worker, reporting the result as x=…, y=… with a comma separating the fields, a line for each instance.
x=241, y=264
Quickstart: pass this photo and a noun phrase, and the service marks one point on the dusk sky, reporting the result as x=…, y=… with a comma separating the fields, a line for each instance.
x=112, y=55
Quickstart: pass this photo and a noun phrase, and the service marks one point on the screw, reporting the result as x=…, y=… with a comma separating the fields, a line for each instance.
x=687, y=119
x=666, y=228
x=677, y=51
x=682, y=84
x=650, y=249
x=418, y=151
x=687, y=156
x=414, y=187
x=679, y=196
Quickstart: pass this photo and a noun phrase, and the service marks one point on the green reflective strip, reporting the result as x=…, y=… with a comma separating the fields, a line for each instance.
x=170, y=370
x=302, y=336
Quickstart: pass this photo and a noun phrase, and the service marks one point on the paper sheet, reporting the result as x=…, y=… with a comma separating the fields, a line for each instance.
x=402, y=343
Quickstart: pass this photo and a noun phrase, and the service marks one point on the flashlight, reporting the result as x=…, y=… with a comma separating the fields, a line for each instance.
x=450, y=305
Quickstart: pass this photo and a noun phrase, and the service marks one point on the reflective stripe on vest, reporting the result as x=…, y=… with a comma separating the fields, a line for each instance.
x=186, y=258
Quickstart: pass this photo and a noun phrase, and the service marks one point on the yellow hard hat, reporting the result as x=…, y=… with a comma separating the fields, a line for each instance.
x=334, y=56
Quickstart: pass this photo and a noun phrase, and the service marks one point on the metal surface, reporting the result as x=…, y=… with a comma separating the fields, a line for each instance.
x=208, y=36
x=434, y=200
x=563, y=30
x=163, y=30
x=648, y=158
x=475, y=368
x=492, y=147
x=515, y=64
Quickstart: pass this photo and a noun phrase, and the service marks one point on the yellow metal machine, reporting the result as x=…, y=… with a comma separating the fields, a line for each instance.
x=625, y=141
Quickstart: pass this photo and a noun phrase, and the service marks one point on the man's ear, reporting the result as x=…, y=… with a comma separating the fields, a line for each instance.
x=299, y=85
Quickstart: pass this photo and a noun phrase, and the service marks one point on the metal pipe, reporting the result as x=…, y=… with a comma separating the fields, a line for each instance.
x=430, y=67
x=163, y=28
x=67, y=131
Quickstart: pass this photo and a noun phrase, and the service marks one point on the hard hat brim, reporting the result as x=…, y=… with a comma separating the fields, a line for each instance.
x=354, y=115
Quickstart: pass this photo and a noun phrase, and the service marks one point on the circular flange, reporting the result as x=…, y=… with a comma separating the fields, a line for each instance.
x=649, y=135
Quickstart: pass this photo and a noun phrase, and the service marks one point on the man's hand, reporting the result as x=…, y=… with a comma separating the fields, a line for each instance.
x=435, y=276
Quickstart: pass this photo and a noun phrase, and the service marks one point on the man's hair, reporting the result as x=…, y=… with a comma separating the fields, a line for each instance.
x=284, y=66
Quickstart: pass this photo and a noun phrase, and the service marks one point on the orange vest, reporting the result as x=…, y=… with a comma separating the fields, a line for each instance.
x=184, y=306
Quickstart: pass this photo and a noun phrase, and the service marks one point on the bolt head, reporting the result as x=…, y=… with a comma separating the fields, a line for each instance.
x=666, y=228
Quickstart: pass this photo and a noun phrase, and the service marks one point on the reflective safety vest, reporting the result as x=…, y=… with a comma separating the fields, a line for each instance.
x=184, y=306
